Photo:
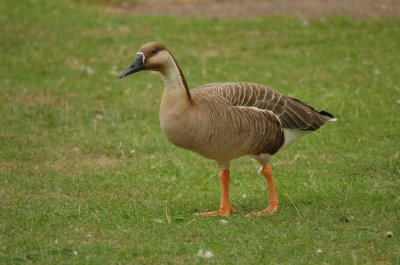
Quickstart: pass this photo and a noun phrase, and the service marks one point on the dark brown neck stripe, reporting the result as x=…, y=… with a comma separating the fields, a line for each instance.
x=183, y=79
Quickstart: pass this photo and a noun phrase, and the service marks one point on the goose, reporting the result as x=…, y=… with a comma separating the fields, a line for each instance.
x=224, y=121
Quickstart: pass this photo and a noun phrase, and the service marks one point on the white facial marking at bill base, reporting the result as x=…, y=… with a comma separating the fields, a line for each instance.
x=143, y=57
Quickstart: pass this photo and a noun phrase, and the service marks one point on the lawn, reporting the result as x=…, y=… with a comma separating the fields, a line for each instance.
x=88, y=178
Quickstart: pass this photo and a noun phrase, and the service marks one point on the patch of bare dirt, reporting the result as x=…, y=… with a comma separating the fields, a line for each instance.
x=7, y=166
x=103, y=162
x=252, y=8
x=32, y=99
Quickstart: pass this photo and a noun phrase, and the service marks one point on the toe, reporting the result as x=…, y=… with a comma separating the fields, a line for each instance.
x=220, y=212
x=270, y=210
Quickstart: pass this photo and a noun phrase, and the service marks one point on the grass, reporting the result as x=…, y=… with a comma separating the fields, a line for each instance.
x=88, y=178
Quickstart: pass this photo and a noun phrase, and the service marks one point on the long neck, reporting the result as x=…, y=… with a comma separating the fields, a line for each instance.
x=174, y=81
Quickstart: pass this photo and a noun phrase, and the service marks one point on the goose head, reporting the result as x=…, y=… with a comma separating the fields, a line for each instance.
x=151, y=56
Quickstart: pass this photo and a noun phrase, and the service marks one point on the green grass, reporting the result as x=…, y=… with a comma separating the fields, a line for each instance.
x=88, y=178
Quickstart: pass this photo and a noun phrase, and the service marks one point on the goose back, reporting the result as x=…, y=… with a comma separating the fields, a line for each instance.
x=291, y=112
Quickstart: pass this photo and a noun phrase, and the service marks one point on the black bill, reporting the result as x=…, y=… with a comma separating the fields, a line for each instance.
x=135, y=66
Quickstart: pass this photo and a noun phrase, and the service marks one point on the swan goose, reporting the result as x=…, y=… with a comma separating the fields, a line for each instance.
x=224, y=121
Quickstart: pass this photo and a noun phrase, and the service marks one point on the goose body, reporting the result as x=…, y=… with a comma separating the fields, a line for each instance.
x=224, y=121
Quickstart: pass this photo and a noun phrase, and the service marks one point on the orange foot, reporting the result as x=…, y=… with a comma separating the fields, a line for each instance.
x=270, y=210
x=220, y=212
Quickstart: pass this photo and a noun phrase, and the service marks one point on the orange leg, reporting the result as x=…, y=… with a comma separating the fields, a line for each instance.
x=273, y=195
x=225, y=208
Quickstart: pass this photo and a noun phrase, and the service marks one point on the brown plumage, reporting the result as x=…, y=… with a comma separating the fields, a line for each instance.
x=223, y=121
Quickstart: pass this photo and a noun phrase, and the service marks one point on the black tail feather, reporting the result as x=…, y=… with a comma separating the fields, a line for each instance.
x=325, y=113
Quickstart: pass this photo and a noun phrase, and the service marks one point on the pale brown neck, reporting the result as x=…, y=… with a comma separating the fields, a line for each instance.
x=174, y=79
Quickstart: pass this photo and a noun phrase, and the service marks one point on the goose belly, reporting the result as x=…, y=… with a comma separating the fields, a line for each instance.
x=220, y=143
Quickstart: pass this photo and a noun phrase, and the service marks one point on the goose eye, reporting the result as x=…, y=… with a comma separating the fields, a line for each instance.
x=154, y=51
